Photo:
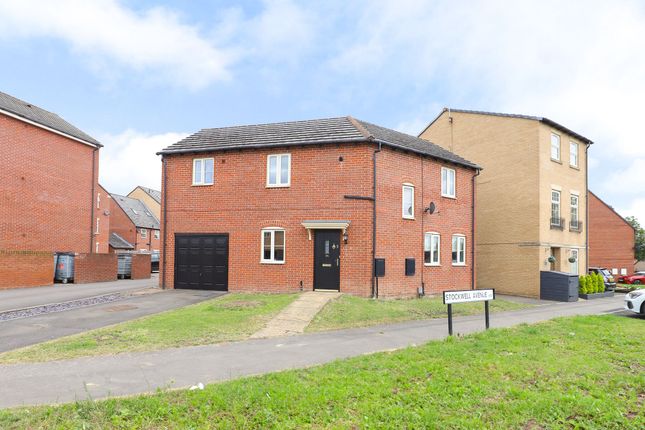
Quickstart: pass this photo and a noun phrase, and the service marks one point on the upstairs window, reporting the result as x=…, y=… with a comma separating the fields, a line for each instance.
x=408, y=201
x=273, y=242
x=447, y=182
x=203, y=171
x=555, y=147
x=98, y=221
x=574, y=210
x=143, y=232
x=156, y=234
x=431, y=247
x=555, y=207
x=573, y=154
x=98, y=200
x=279, y=170
x=458, y=250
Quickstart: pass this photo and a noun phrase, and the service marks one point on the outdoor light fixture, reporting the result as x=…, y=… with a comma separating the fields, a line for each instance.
x=345, y=237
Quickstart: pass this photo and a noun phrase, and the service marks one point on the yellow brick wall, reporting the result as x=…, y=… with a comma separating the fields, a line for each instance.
x=513, y=196
x=152, y=204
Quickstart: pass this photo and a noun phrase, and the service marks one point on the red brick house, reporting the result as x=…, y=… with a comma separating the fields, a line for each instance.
x=48, y=189
x=611, y=238
x=133, y=226
x=310, y=205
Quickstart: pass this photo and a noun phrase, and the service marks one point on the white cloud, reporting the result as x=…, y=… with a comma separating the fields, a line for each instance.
x=636, y=208
x=128, y=159
x=155, y=43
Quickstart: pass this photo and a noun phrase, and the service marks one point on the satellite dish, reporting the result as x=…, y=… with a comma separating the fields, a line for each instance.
x=431, y=208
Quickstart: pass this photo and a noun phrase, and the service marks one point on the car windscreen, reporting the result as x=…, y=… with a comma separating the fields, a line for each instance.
x=605, y=272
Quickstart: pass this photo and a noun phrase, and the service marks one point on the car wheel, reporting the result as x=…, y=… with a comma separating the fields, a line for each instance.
x=637, y=282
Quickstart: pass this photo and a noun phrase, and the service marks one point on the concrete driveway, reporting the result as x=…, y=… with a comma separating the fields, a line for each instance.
x=136, y=299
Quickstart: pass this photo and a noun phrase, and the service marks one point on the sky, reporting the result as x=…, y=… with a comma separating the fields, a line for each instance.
x=140, y=75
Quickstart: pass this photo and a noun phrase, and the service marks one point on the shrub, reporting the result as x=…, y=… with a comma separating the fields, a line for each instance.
x=591, y=288
x=583, y=284
x=601, y=283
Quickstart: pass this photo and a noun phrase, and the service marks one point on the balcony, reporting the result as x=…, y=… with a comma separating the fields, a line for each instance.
x=557, y=223
x=575, y=226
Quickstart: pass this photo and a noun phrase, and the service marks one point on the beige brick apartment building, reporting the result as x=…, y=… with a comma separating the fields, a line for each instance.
x=531, y=197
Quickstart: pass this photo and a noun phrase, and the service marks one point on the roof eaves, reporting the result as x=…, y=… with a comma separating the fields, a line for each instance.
x=437, y=157
x=23, y=118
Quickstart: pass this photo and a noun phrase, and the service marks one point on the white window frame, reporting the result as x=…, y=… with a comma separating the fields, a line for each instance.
x=576, y=206
x=278, y=173
x=96, y=251
x=98, y=200
x=559, y=203
x=405, y=187
x=445, y=190
x=558, y=148
x=573, y=155
x=272, y=259
x=201, y=181
x=98, y=220
x=460, y=238
x=144, y=233
x=157, y=235
x=427, y=240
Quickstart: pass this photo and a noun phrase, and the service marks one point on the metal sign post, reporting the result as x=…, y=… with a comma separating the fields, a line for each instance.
x=465, y=296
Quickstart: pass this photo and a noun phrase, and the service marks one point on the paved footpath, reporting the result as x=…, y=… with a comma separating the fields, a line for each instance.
x=126, y=374
x=297, y=316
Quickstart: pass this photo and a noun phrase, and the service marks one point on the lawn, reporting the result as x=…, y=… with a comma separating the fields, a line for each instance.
x=349, y=311
x=232, y=317
x=569, y=373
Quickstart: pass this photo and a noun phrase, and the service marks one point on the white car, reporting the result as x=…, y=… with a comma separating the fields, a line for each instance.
x=635, y=301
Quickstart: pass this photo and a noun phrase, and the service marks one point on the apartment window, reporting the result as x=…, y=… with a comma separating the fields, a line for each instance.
x=431, y=247
x=458, y=250
x=447, y=182
x=97, y=248
x=143, y=232
x=98, y=200
x=156, y=234
x=555, y=207
x=279, y=170
x=574, y=210
x=408, y=201
x=203, y=171
x=273, y=246
x=98, y=220
x=573, y=154
x=555, y=147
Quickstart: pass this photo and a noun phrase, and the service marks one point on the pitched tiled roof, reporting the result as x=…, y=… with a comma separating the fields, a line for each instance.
x=117, y=242
x=317, y=131
x=40, y=116
x=542, y=119
x=137, y=211
x=156, y=195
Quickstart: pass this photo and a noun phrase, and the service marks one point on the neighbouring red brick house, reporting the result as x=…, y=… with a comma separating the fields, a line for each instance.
x=611, y=238
x=133, y=226
x=48, y=188
x=309, y=204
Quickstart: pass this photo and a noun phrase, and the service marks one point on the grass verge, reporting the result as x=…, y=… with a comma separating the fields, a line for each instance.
x=349, y=311
x=580, y=372
x=232, y=317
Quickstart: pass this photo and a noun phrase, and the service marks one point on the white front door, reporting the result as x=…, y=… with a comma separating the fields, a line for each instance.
x=574, y=266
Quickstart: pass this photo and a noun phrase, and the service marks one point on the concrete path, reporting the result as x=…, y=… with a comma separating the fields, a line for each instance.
x=20, y=298
x=28, y=331
x=126, y=374
x=295, y=317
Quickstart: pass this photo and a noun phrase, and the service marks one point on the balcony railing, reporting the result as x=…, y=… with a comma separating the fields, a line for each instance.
x=557, y=223
x=575, y=226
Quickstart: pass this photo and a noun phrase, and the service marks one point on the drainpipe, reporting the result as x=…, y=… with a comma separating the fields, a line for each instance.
x=93, y=203
x=472, y=234
x=164, y=196
x=374, y=281
x=586, y=207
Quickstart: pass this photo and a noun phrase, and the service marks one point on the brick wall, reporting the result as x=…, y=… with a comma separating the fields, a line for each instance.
x=140, y=266
x=122, y=225
x=102, y=212
x=94, y=268
x=45, y=190
x=611, y=239
x=399, y=238
x=26, y=269
x=240, y=204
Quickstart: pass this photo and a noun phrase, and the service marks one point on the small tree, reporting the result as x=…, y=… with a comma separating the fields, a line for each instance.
x=639, y=238
x=593, y=282
x=582, y=284
x=601, y=284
